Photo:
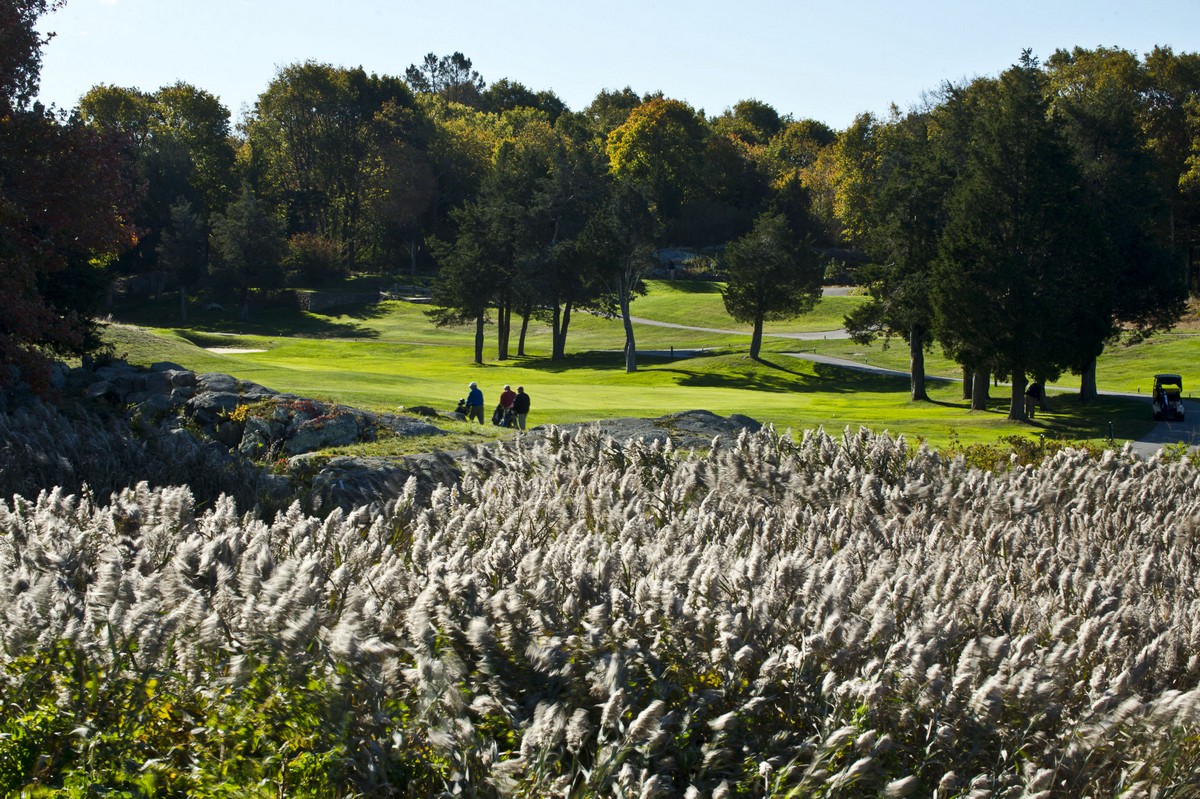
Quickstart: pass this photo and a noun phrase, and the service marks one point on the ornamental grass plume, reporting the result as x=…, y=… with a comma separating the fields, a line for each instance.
x=595, y=616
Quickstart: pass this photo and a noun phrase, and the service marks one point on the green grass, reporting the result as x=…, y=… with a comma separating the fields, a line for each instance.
x=1122, y=368
x=684, y=302
x=389, y=356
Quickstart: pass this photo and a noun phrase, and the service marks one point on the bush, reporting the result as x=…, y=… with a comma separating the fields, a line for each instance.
x=313, y=260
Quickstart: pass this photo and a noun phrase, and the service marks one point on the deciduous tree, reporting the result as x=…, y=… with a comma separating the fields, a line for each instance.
x=64, y=209
x=659, y=148
x=316, y=136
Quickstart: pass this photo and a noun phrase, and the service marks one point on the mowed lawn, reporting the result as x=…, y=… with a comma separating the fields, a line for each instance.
x=390, y=356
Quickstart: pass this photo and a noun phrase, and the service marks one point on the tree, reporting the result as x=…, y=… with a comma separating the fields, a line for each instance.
x=659, y=148
x=198, y=122
x=616, y=244
x=249, y=244
x=1098, y=97
x=752, y=121
x=1172, y=88
x=401, y=188
x=610, y=110
x=467, y=276
x=797, y=145
x=183, y=250
x=65, y=203
x=560, y=276
x=506, y=95
x=450, y=76
x=770, y=276
x=890, y=198
x=1017, y=239
x=179, y=141
x=316, y=137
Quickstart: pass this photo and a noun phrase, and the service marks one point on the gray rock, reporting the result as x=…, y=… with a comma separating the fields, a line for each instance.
x=216, y=383
x=209, y=407
x=128, y=384
x=319, y=433
x=228, y=433
x=348, y=482
x=180, y=396
x=101, y=390
x=182, y=378
x=253, y=392
x=256, y=438
x=154, y=406
x=408, y=426
x=276, y=489
x=158, y=383
x=58, y=375
x=166, y=366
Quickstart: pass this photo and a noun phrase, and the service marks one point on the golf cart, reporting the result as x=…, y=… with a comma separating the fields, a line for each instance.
x=1167, y=402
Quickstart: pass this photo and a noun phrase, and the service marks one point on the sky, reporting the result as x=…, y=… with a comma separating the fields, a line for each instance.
x=825, y=60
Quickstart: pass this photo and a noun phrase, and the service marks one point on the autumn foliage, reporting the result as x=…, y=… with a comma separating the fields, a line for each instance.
x=63, y=205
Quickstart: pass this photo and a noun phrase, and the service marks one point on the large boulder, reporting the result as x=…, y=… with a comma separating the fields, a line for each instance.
x=335, y=431
x=696, y=429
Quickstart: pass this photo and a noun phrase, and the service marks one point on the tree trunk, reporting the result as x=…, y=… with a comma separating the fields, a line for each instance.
x=1087, y=383
x=630, y=345
x=1016, y=404
x=556, y=343
x=503, y=327
x=756, y=337
x=524, y=330
x=182, y=303
x=968, y=382
x=412, y=258
x=916, y=363
x=479, y=339
x=979, y=390
x=566, y=325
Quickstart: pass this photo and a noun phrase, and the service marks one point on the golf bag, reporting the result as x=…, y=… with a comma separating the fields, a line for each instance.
x=504, y=417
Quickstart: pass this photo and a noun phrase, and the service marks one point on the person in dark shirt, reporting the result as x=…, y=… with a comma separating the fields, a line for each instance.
x=521, y=407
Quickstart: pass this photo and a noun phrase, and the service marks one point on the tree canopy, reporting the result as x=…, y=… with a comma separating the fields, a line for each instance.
x=64, y=210
x=1077, y=177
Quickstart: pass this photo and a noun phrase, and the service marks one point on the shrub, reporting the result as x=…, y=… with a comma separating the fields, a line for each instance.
x=313, y=260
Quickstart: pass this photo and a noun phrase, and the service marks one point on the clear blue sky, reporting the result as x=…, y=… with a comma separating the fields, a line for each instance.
x=822, y=60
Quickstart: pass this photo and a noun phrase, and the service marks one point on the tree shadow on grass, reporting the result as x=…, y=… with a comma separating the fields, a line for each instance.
x=598, y=361
x=279, y=322
x=789, y=377
x=1071, y=419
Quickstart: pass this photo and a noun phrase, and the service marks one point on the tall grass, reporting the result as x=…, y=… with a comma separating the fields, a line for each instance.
x=812, y=617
